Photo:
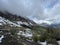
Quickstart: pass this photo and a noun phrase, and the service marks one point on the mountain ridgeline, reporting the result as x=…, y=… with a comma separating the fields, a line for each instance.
x=25, y=22
x=12, y=17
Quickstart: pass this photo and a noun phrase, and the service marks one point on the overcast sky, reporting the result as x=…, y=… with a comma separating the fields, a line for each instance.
x=37, y=10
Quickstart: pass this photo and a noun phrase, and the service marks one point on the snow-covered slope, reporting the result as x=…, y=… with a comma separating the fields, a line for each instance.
x=4, y=21
x=9, y=19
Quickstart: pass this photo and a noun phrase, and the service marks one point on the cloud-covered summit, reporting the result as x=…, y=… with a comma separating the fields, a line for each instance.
x=46, y=10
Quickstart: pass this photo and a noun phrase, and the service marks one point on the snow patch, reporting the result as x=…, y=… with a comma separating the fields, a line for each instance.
x=2, y=36
x=26, y=33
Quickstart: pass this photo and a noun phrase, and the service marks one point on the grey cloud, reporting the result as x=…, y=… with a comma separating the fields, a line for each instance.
x=32, y=8
x=23, y=7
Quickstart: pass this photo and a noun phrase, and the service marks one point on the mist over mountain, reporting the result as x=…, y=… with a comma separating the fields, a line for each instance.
x=48, y=10
x=10, y=19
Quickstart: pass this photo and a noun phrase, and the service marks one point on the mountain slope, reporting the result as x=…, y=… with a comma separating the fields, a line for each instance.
x=14, y=20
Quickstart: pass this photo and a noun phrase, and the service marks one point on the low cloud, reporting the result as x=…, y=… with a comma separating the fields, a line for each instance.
x=40, y=9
